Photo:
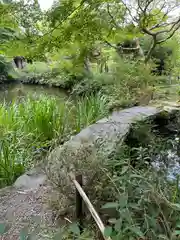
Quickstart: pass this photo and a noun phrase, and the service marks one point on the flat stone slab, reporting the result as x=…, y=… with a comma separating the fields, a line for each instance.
x=108, y=132
x=33, y=179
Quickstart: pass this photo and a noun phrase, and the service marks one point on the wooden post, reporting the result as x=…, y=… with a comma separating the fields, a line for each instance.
x=79, y=203
x=90, y=206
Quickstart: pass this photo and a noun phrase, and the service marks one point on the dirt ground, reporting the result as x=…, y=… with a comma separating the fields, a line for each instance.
x=26, y=209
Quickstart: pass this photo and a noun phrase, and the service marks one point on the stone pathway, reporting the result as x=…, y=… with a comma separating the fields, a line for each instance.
x=24, y=206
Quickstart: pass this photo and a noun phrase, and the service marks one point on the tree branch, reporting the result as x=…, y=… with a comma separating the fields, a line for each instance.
x=110, y=45
x=112, y=18
x=174, y=24
x=173, y=32
x=129, y=11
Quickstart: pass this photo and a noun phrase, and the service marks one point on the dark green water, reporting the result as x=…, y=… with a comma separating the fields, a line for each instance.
x=9, y=92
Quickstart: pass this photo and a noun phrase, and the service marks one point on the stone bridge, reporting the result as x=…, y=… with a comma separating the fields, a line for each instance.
x=25, y=199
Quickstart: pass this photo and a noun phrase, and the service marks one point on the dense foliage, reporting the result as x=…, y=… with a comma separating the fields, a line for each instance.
x=87, y=38
x=81, y=30
x=122, y=49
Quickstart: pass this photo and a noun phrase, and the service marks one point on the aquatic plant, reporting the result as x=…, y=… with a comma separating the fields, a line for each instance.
x=32, y=124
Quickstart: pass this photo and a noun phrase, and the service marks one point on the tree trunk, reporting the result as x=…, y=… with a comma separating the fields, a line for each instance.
x=148, y=56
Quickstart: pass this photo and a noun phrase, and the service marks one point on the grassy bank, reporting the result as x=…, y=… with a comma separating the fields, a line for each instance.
x=30, y=126
x=126, y=84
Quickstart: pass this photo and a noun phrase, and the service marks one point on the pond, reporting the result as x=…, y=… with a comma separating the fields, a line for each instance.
x=9, y=92
x=168, y=161
x=157, y=144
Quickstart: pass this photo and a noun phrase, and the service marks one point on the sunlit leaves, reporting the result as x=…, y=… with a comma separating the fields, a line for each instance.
x=28, y=15
x=61, y=12
x=8, y=25
x=153, y=18
x=110, y=205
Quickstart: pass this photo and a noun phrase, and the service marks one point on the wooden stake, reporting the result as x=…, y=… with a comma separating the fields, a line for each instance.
x=79, y=203
x=90, y=207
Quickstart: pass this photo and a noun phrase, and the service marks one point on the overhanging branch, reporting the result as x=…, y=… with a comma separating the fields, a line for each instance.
x=111, y=16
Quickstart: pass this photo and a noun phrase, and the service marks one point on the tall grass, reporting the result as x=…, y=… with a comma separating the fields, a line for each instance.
x=28, y=125
x=89, y=109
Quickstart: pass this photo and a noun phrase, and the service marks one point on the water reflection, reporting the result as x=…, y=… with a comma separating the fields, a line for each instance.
x=169, y=161
x=9, y=92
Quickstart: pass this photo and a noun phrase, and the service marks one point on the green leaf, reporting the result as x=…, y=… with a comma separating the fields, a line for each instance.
x=126, y=215
x=124, y=170
x=58, y=236
x=118, y=225
x=137, y=231
x=2, y=228
x=134, y=206
x=123, y=200
x=178, y=225
x=110, y=205
x=176, y=232
x=108, y=231
x=74, y=228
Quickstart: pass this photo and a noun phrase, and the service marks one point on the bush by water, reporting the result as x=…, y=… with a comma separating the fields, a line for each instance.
x=32, y=125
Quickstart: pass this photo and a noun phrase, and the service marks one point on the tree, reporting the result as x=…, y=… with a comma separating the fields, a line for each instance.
x=28, y=16
x=157, y=18
x=8, y=26
x=112, y=22
x=8, y=30
x=29, y=20
x=79, y=27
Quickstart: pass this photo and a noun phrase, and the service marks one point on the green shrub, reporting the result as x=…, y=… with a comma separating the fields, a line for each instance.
x=92, y=84
x=5, y=68
x=123, y=84
x=144, y=205
x=141, y=203
x=12, y=159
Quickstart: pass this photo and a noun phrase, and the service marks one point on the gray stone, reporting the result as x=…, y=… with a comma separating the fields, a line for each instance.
x=31, y=180
x=108, y=133
x=130, y=115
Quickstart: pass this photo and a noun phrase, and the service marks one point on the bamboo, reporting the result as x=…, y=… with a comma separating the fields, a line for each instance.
x=90, y=207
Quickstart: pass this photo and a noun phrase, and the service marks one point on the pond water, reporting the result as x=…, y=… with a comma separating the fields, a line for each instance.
x=9, y=92
x=168, y=161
